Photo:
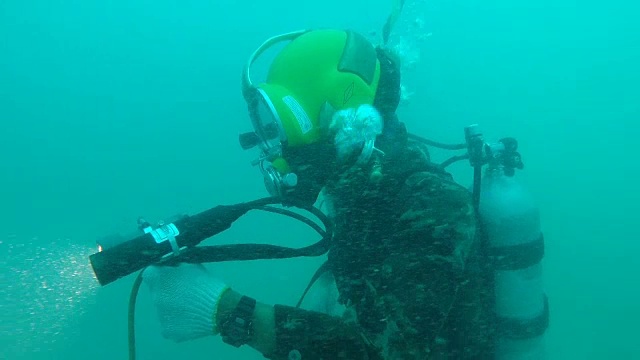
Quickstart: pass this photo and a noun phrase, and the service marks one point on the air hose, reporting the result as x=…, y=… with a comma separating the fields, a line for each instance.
x=219, y=253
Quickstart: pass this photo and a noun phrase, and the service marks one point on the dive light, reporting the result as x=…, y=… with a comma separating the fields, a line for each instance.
x=118, y=256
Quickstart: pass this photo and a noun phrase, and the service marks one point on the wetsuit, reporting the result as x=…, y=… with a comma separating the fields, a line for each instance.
x=406, y=257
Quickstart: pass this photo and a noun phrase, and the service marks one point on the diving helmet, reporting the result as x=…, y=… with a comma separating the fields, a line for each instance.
x=316, y=87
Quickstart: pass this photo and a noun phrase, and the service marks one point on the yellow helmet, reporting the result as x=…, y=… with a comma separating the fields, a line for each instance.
x=316, y=71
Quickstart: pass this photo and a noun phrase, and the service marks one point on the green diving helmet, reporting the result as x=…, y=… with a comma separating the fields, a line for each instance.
x=319, y=74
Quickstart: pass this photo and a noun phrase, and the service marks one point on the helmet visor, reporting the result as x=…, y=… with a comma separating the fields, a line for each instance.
x=267, y=125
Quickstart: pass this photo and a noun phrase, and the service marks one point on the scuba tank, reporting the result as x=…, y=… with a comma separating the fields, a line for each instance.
x=514, y=247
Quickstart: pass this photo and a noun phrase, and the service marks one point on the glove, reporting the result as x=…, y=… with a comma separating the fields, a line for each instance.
x=186, y=298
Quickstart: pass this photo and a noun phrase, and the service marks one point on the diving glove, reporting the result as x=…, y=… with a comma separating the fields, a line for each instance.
x=186, y=298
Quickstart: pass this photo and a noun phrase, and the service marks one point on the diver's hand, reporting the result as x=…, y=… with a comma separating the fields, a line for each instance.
x=186, y=299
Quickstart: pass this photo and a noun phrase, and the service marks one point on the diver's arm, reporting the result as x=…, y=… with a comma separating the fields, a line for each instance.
x=279, y=330
x=264, y=334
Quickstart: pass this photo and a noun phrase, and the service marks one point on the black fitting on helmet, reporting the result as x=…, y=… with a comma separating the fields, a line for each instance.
x=387, y=100
x=387, y=96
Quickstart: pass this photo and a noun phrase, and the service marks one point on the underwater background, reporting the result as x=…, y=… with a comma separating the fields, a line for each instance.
x=113, y=110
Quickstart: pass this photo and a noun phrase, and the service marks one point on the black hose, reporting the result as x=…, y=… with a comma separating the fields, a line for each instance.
x=132, y=312
x=454, y=159
x=245, y=252
x=477, y=179
x=296, y=216
x=437, y=144
x=240, y=252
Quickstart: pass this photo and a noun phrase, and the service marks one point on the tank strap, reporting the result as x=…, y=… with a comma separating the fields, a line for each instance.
x=518, y=329
x=319, y=272
x=517, y=257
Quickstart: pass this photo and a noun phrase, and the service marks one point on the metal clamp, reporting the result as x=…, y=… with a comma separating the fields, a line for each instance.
x=168, y=233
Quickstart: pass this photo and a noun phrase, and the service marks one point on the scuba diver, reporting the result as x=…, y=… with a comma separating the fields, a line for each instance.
x=423, y=267
x=405, y=253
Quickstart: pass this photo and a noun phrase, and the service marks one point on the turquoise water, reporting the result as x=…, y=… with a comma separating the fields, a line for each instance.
x=112, y=110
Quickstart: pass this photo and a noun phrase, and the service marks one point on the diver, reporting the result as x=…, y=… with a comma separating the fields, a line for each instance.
x=406, y=254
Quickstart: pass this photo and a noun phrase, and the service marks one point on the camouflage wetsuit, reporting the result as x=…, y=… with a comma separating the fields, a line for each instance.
x=405, y=256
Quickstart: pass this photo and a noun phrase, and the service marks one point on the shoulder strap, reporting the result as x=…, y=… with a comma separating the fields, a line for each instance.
x=321, y=270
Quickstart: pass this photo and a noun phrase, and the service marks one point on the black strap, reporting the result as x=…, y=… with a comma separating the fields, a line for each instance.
x=321, y=271
x=237, y=328
x=517, y=257
x=517, y=329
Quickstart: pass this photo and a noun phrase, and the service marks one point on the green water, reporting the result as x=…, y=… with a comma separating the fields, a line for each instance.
x=112, y=110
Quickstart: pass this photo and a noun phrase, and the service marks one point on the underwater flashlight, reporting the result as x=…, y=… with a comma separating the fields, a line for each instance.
x=109, y=241
x=119, y=256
